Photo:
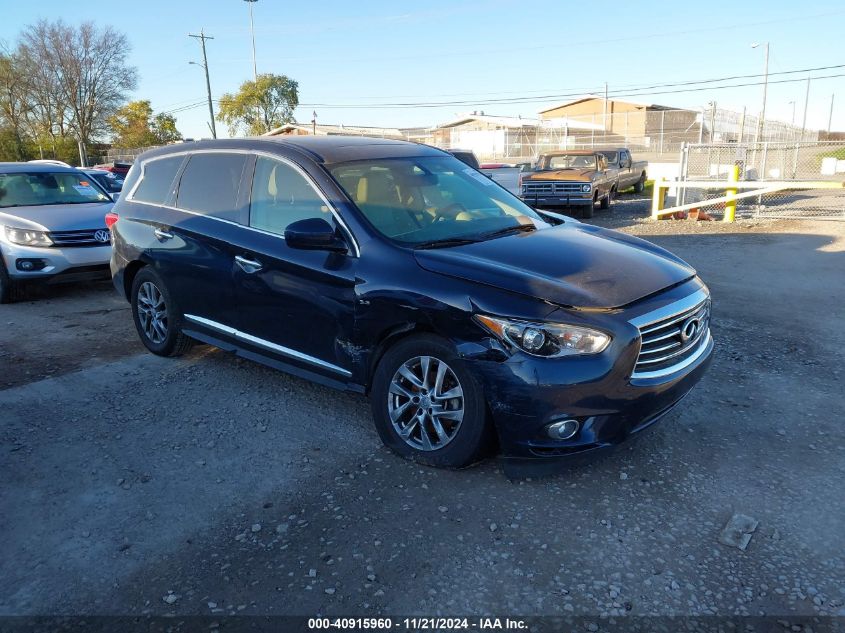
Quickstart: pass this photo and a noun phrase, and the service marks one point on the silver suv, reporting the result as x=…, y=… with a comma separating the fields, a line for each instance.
x=52, y=226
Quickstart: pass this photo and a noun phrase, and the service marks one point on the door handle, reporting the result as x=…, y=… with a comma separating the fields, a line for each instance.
x=247, y=265
x=163, y=235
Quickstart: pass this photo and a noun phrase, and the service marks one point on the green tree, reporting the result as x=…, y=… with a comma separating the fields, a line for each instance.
x=164, y=128
x=261, y=105
x=134, y=125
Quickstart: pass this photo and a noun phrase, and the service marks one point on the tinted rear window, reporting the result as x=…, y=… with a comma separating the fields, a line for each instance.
x=158, y=176
x=210, y=185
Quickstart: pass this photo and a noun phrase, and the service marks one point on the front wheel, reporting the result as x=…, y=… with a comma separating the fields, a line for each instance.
x=608, y=199
x=156, y=316
x=427, y=406
x=10, y=290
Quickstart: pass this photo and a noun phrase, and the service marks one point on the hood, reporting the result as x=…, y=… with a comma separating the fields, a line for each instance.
x=573, y=265
x=60, y=217
x=584, y=175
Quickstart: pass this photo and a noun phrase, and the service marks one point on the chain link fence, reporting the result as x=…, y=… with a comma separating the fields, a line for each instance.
x=654, y=133
x=770, y=162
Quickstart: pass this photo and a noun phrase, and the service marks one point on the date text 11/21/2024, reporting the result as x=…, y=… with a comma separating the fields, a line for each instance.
x=417, y=624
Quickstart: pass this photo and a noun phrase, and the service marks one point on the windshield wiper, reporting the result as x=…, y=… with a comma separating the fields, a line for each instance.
x=519, y=228
x=446, y=242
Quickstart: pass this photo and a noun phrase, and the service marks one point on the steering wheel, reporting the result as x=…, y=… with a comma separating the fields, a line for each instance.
x=450, y=211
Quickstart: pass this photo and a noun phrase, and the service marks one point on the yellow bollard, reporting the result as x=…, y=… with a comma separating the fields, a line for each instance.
x=730, y=203
x=658, y=201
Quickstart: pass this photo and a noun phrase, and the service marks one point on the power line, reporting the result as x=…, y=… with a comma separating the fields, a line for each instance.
x=645, y=90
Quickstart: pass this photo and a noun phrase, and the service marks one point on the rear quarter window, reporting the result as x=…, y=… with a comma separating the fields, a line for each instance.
x=155, y=185
x=210, y=185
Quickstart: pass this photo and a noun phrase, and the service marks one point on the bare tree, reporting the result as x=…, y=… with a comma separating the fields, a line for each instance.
x=13, y=102
x=81, y=75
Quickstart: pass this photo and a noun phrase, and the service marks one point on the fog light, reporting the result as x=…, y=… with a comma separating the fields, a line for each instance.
x=563, y=429
x=30, y=265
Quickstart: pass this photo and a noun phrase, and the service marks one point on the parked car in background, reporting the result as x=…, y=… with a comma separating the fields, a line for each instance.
x=117, y=168
x=629, y=173
x=392, y=269
x=569, y=179
x=53, y=226
x=108, y=180
x=465, y=156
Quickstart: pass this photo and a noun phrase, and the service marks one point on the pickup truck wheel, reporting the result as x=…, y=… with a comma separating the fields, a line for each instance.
x=587, y=211
x=605, y=202
x=639, y=186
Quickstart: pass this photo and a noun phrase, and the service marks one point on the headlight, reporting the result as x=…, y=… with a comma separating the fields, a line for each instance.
x=586, y=188
x=27, y=237
x=550, y=340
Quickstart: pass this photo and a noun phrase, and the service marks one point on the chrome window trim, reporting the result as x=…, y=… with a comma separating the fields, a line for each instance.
x=281, y=349
x=356, y=251
x=681, y=305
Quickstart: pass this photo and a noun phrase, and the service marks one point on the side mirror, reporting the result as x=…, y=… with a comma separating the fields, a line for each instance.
x=314, y=234
x=114, y=196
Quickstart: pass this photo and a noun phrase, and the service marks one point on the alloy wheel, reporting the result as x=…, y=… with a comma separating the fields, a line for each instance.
x=152, y=312
x=426, y=403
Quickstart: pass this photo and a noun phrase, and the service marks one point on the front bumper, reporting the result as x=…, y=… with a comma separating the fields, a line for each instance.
x=557, y=201
x=56, y=263
x=525, y=394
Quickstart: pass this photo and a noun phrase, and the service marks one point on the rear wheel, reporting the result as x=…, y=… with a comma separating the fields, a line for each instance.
x=157, y=318
x=427, y=406
x=639, y=186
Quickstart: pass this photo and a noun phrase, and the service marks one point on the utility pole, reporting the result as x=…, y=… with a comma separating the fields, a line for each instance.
x=806, y=103
x=762, y=122
x=830, y=116
x=252, y=31
x=202, y=37
x=604, y=119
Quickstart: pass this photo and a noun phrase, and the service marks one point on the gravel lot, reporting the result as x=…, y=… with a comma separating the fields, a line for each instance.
x=210, y=485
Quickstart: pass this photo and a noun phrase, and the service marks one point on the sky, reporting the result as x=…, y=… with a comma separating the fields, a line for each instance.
x=373, y=54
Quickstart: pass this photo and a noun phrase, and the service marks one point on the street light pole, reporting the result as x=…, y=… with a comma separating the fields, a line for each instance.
x=202, y=37
x=762, y=122
x=252, y=31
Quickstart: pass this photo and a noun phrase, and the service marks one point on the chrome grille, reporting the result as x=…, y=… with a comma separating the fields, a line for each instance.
x=549, y=187
x=77, y=238
x=670, y=340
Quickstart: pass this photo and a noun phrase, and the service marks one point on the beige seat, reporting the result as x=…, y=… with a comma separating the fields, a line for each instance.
x=378, y=199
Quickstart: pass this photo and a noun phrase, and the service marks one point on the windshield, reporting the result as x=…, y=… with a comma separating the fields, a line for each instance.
x=572, y=161
x=42, y=188
x=420, y=201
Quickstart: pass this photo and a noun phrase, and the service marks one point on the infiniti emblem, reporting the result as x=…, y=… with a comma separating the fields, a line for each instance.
x=690, y=328
x=102, y=235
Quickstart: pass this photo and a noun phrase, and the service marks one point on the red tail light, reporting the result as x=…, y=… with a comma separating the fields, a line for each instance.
x=111, y=218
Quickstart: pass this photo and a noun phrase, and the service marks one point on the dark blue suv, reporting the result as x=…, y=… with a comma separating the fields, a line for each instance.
x=393, y=269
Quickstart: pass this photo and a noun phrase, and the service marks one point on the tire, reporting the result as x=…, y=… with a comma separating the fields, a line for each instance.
x=10, y=291
x=465, y=437
x=608, y=199
x=589, y=209
x=156, y=315
x=639, y=186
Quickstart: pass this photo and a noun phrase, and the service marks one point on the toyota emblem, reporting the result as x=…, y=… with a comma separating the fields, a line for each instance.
x=690, y=328
x=102, y=236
